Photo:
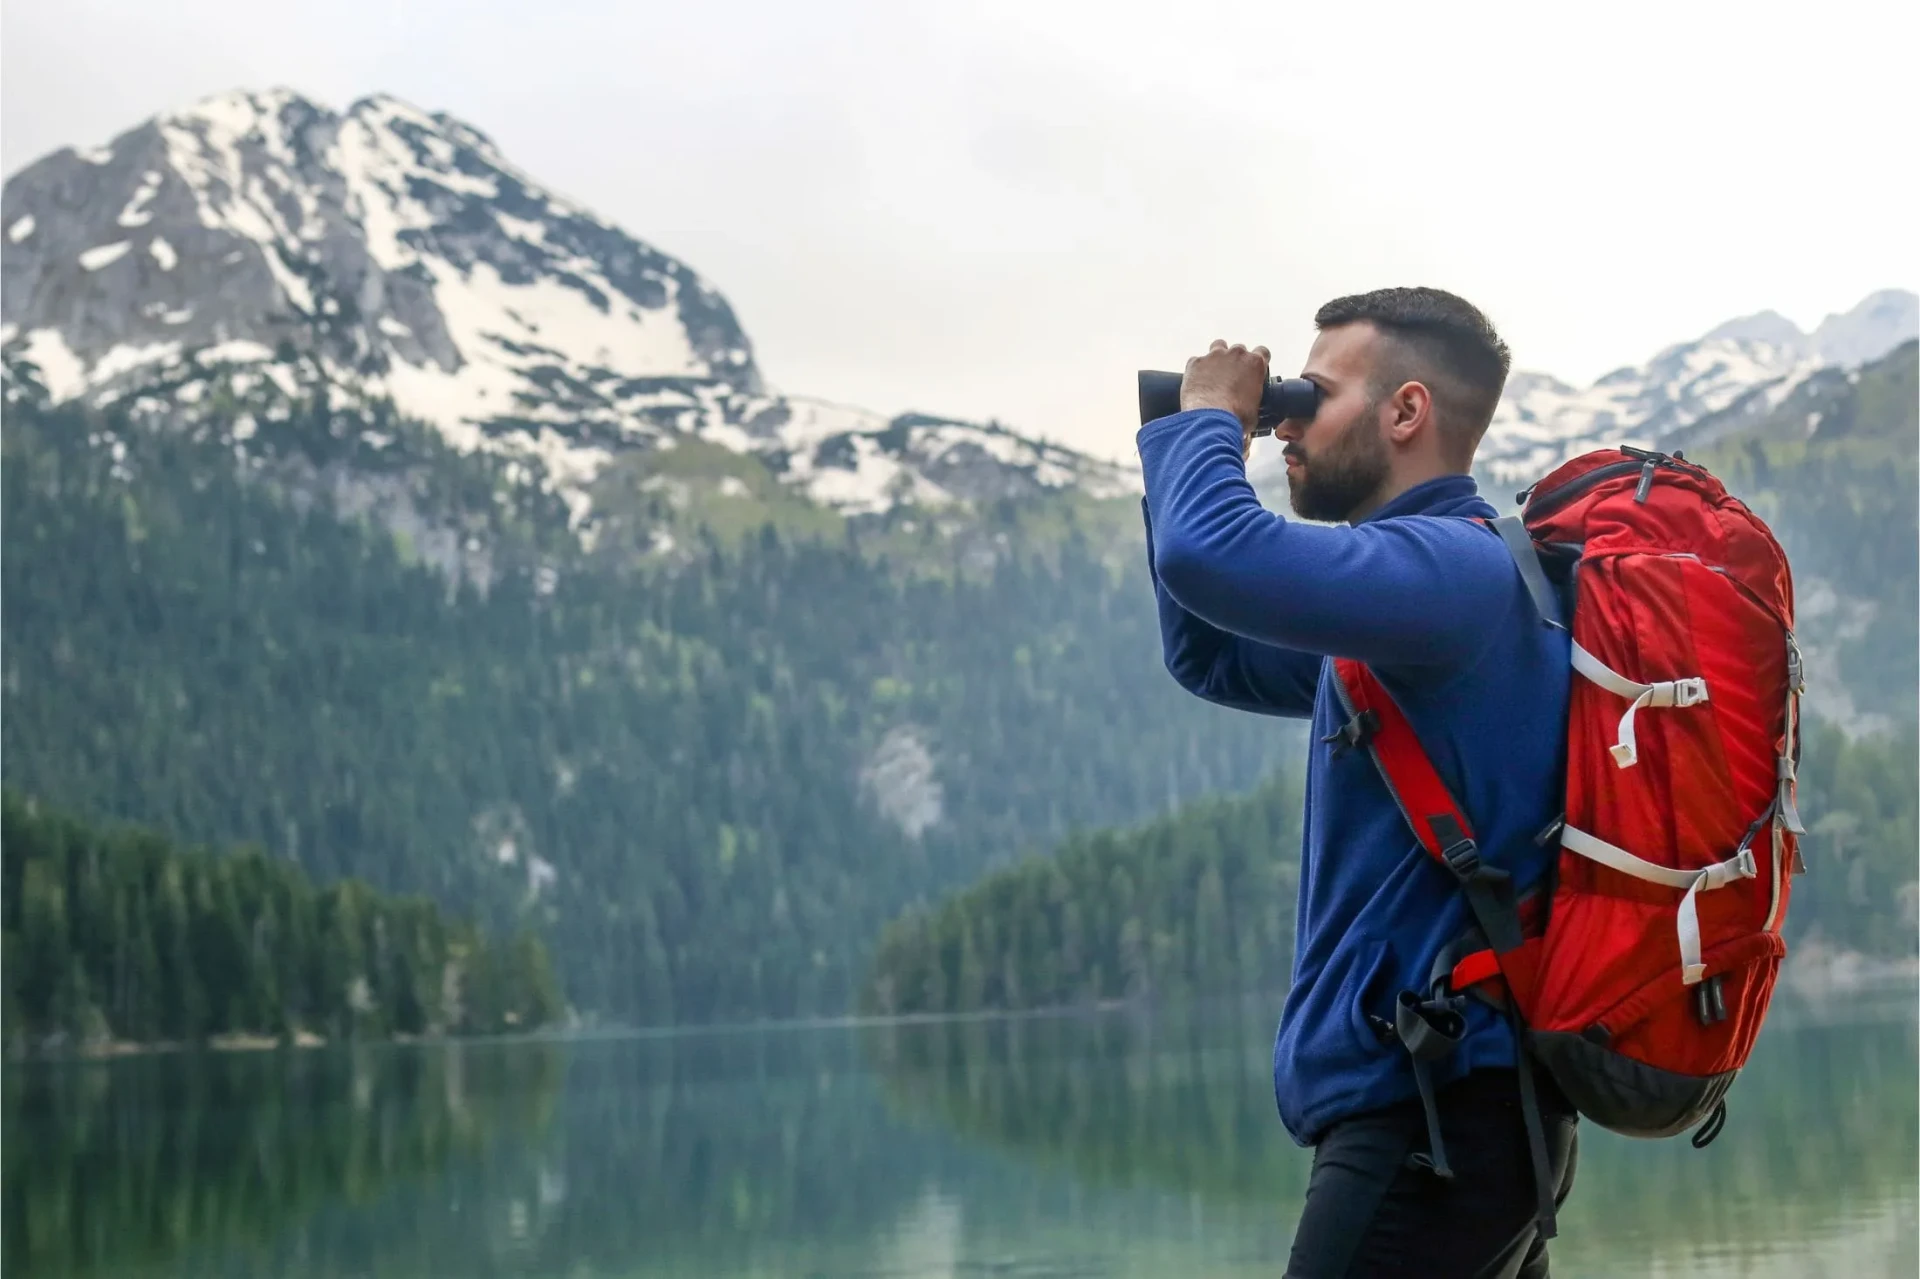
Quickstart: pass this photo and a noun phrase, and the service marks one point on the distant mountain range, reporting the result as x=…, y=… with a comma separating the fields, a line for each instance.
x=1737, y=373
x=1755, y=362
x=259, y=245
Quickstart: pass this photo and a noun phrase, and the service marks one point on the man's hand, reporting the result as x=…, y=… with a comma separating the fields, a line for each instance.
x=1231, y=378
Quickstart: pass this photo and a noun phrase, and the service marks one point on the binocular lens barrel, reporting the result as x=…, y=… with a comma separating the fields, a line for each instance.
x=1284, y=398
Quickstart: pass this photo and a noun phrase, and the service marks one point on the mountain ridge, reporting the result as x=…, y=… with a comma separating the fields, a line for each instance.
x=262, y=246
x=269, y=247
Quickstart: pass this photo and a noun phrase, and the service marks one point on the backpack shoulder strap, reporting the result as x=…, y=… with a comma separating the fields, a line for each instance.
x=1376, y=721
x=1526, y=557
x=1431, y=1027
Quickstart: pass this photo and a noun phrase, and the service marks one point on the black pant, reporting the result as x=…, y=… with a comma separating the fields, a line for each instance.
x=1369, y=1213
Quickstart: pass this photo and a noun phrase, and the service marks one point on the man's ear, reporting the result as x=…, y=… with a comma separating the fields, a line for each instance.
x=1409, y=411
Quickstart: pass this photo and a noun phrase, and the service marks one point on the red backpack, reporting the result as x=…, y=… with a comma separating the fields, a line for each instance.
x=1637, y=974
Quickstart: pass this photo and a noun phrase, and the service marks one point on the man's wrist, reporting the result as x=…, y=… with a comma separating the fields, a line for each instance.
x=1186, y=421
x=1194, y=403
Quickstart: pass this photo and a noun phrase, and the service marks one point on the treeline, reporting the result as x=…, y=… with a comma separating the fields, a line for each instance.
x=1202, y=902
x=707, y=781
x=1859, y=802
x=1199, y=901
x=119, y=935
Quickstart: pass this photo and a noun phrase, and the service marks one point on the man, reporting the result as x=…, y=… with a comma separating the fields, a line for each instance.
x=1251, y=606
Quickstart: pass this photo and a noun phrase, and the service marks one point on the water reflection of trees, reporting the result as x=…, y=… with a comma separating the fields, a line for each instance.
x=1130, y=1100
x=1822, y=1124
x=833, y=1152
x=684, y=1155
x=693, y=1154
x=133, y=1164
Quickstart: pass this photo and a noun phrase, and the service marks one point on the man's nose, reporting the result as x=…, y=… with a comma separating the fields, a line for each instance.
x=1289, y=430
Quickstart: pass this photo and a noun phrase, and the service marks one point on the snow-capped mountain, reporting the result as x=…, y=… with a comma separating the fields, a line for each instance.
x=256, y=244
x=263, y=243
x=1751, y=364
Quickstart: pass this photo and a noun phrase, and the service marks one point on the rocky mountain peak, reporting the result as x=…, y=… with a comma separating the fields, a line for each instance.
x=393, y=252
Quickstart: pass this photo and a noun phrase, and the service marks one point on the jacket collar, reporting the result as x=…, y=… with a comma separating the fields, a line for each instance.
x=1443, y=495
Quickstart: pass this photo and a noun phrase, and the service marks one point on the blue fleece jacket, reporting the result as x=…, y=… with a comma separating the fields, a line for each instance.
x=1251, y=605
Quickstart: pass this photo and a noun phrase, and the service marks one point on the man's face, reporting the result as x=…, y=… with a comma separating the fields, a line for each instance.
x=1338, y=460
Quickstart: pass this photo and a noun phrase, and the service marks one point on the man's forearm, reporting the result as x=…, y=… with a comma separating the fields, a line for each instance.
x=1225, y=669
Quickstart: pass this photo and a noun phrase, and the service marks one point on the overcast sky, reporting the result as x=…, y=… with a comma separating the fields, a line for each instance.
x=1004, y=209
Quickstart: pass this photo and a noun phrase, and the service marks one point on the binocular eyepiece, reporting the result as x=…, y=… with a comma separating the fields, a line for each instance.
x=1284, y=398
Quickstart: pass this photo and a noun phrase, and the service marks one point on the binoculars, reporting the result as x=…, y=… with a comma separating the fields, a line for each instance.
x=1284, y=398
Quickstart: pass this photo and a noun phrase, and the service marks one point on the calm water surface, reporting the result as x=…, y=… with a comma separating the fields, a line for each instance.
x=1098, y=1145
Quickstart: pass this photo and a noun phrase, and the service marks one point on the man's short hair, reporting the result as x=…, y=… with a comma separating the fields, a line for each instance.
x=1440, y=340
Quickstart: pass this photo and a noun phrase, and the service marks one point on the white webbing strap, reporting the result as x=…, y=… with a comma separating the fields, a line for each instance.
x=1796, y=684
x=1740, y=866
x=1779, y=837
x=1671, y=692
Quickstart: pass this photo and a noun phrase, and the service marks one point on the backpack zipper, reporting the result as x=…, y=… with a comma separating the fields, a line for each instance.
x=1554, y=499
x=1644, y=461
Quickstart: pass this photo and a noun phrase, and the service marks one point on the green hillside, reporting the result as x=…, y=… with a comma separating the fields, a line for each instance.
x=707, y=776
x=1195, y=902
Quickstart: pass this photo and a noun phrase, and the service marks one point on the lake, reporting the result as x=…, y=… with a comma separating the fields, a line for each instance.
x=1106, y=1144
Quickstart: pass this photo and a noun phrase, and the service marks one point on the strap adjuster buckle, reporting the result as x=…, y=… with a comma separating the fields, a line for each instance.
x=1462, y=857
x=1357, y=731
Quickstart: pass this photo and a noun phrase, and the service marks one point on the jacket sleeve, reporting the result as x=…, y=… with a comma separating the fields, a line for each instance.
x=1417, y=592
x=1226, y=669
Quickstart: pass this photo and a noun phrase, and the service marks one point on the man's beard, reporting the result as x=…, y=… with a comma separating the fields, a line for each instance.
x=1334, y=482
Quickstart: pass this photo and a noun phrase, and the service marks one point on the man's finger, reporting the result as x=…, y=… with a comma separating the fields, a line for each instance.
x=1266, y=357
x=1219, y=344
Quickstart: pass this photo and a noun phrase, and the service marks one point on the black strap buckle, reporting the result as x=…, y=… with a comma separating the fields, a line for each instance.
x=1488, y=888
x=1429, y=1029
x=1357, y=731
x=1457, y=849
x=1462, y=858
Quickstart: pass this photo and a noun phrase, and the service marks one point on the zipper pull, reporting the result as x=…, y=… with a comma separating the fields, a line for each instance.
x=1646, y=482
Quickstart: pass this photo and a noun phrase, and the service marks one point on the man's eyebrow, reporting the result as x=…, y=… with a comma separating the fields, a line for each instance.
x=1326, y=381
